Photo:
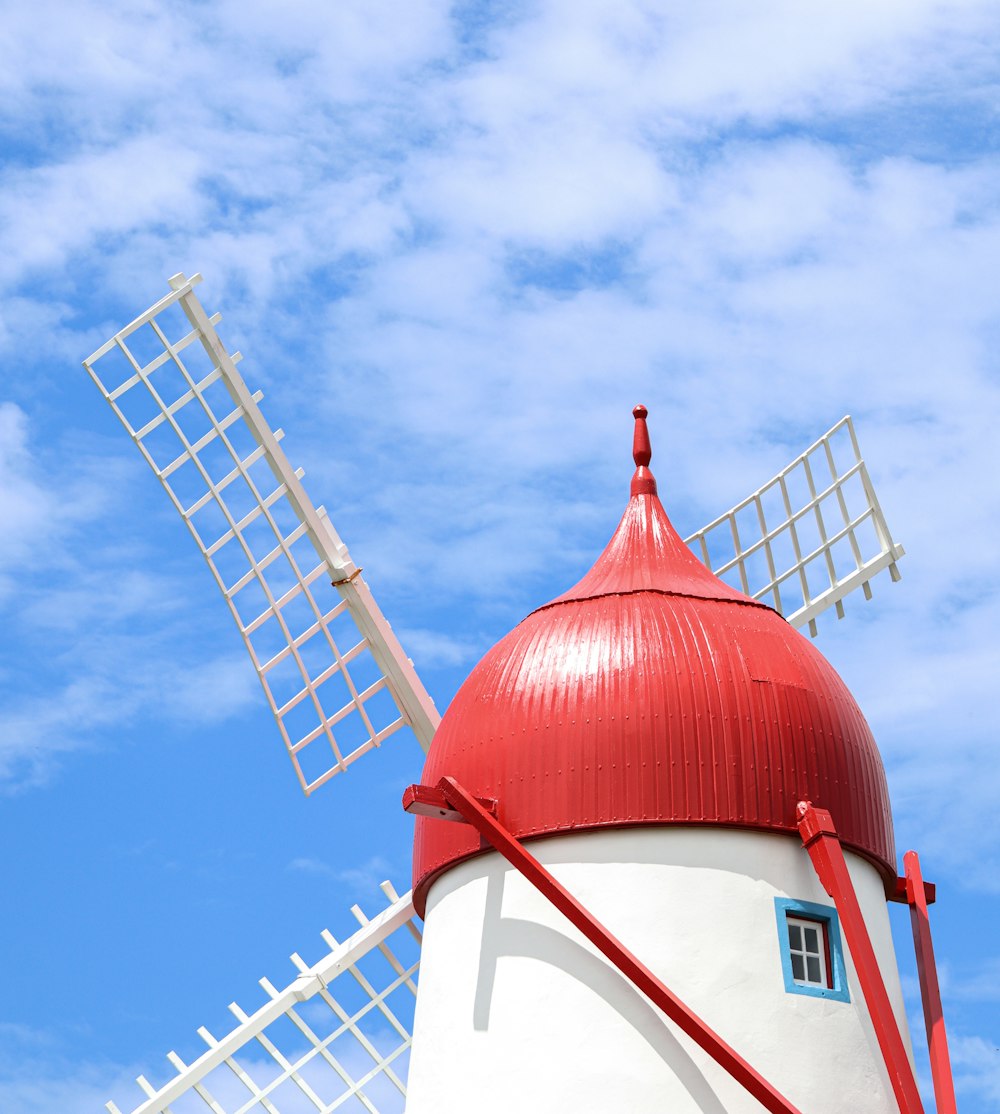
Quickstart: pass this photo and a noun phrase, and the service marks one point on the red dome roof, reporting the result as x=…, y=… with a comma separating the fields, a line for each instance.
x=653, y=693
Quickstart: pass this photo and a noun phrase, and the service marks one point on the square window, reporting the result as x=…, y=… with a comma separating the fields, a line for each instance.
x=812, y=956
x=808, y=946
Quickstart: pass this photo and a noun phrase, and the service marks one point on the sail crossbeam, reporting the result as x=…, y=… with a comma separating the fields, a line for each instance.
x=334, y=673
x=338, y=1035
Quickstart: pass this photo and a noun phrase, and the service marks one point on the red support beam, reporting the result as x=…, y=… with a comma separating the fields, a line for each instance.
x=819, y=835
x=428, y=800
x=640, y=975
x=898, y=893
x=930, y=992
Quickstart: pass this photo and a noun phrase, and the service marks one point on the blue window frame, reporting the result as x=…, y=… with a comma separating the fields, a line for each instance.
x=812, y=955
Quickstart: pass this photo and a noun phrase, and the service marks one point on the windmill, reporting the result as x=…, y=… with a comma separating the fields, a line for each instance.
x=339, y=684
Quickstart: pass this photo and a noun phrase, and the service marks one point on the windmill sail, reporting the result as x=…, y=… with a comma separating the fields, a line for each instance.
x=809, y=537
x=336, y=1038
x=336, y=677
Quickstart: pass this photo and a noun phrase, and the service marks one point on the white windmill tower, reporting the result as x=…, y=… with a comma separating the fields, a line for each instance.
x=680, y=834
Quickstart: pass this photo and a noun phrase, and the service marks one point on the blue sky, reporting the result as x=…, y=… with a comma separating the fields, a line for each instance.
x=456, y=243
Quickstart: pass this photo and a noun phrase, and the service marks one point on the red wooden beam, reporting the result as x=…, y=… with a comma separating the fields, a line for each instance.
x=682, y=1016
x=930, y=992
x=899, y=892
x=428, y=800
x=823, y=844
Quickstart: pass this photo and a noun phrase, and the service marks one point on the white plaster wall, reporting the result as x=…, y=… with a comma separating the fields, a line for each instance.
x=518, y=1012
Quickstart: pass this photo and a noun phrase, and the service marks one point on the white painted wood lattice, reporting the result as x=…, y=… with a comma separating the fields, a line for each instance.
x=336, y=1038
x=807, y=538
x=335, y=677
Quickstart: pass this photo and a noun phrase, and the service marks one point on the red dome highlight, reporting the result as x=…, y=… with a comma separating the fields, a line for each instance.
x=653, y=693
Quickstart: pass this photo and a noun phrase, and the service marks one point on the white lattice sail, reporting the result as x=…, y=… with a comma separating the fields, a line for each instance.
x=336, y=677
x=807, y=538
x=336, y=1038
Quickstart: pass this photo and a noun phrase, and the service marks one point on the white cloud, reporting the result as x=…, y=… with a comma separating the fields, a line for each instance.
x=59, y=210
x=359, y=881
x=433, y=649
x=26, y=509
x=976, y=1063
x=554, y=185
x=36, y=1074
x=38, y=727
x=70, y=1089
x=978, y=983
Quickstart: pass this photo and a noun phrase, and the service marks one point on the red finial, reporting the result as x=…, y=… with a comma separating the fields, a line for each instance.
x=641, y=451
x=643, y=482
